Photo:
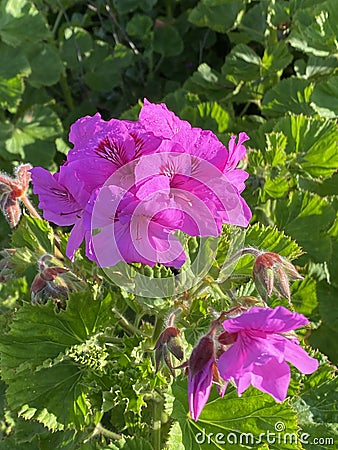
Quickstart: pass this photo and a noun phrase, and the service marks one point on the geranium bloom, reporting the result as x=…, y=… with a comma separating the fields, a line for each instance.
x=260, y=351
x=179, y=178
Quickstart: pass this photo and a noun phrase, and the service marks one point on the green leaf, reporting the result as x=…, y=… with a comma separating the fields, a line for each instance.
x=307, y=217
x=323, y=188
x=314, y=140
x=45, y=63
x=314, y=29
x=21, y=21
x=76, y=45
x=11, y=91
x=289, y=95
x=253, y=25
x=317, y=67
x=219, y=15
x=328, y=305
x=208, y=115
x=276, y=58
x=103, y=73
x=14, y=66
x=304, y=297
x=242, y=63
x=234, y=421
x=127, y=6
x=13, y=62
x=167, y=41
x=45, y=373
x=140, y=26
x=324, y=98
x=39, y=123
x=323, y=338
x=316, y=408
x=35, y=234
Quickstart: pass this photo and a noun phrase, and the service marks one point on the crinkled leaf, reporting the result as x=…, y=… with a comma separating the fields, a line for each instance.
x=314, y=29
x=50, y=365
x=35, y=234
x=324, y=98
x=307, y=217
x=242, y=63
x=316, y=409
x=314, y=141
x=239, y=420
x=289, y=95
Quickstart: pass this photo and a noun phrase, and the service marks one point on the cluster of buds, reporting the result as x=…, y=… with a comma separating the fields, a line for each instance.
x=272, y=273
x=51, y=282
x=13, y=190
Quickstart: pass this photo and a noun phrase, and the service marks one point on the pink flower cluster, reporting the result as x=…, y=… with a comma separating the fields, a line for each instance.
x=127, y=186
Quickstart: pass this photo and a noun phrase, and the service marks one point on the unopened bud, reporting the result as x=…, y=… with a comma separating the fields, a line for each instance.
x=50, y=283
x=272, y=273
x=168, y=343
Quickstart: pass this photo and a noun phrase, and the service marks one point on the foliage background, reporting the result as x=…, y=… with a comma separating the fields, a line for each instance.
x=267, y=67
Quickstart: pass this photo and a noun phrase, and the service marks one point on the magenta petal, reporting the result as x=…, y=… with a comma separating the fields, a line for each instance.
x=237, y=151
x=158, y=120
x=297, y=356
x=230, y=364
x=277, y=320
x=273, y=379
x=57, y=203
x=199, y=387
x=75, y=238
x=83, y=129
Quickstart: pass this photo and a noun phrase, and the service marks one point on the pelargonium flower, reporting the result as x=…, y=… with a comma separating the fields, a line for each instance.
x=260, y=350
x=196, y=195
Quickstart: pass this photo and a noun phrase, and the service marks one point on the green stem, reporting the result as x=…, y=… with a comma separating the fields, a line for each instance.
x=157, y=422
x=235, y=257
x=67, y=92
x=124, y=323
x=99, y=429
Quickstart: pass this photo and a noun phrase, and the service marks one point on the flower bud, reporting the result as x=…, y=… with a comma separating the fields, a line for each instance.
x=50, y=283
x=272, y=273
x=168, y=343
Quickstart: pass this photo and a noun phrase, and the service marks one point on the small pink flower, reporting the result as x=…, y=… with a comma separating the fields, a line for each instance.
x=259, y=353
